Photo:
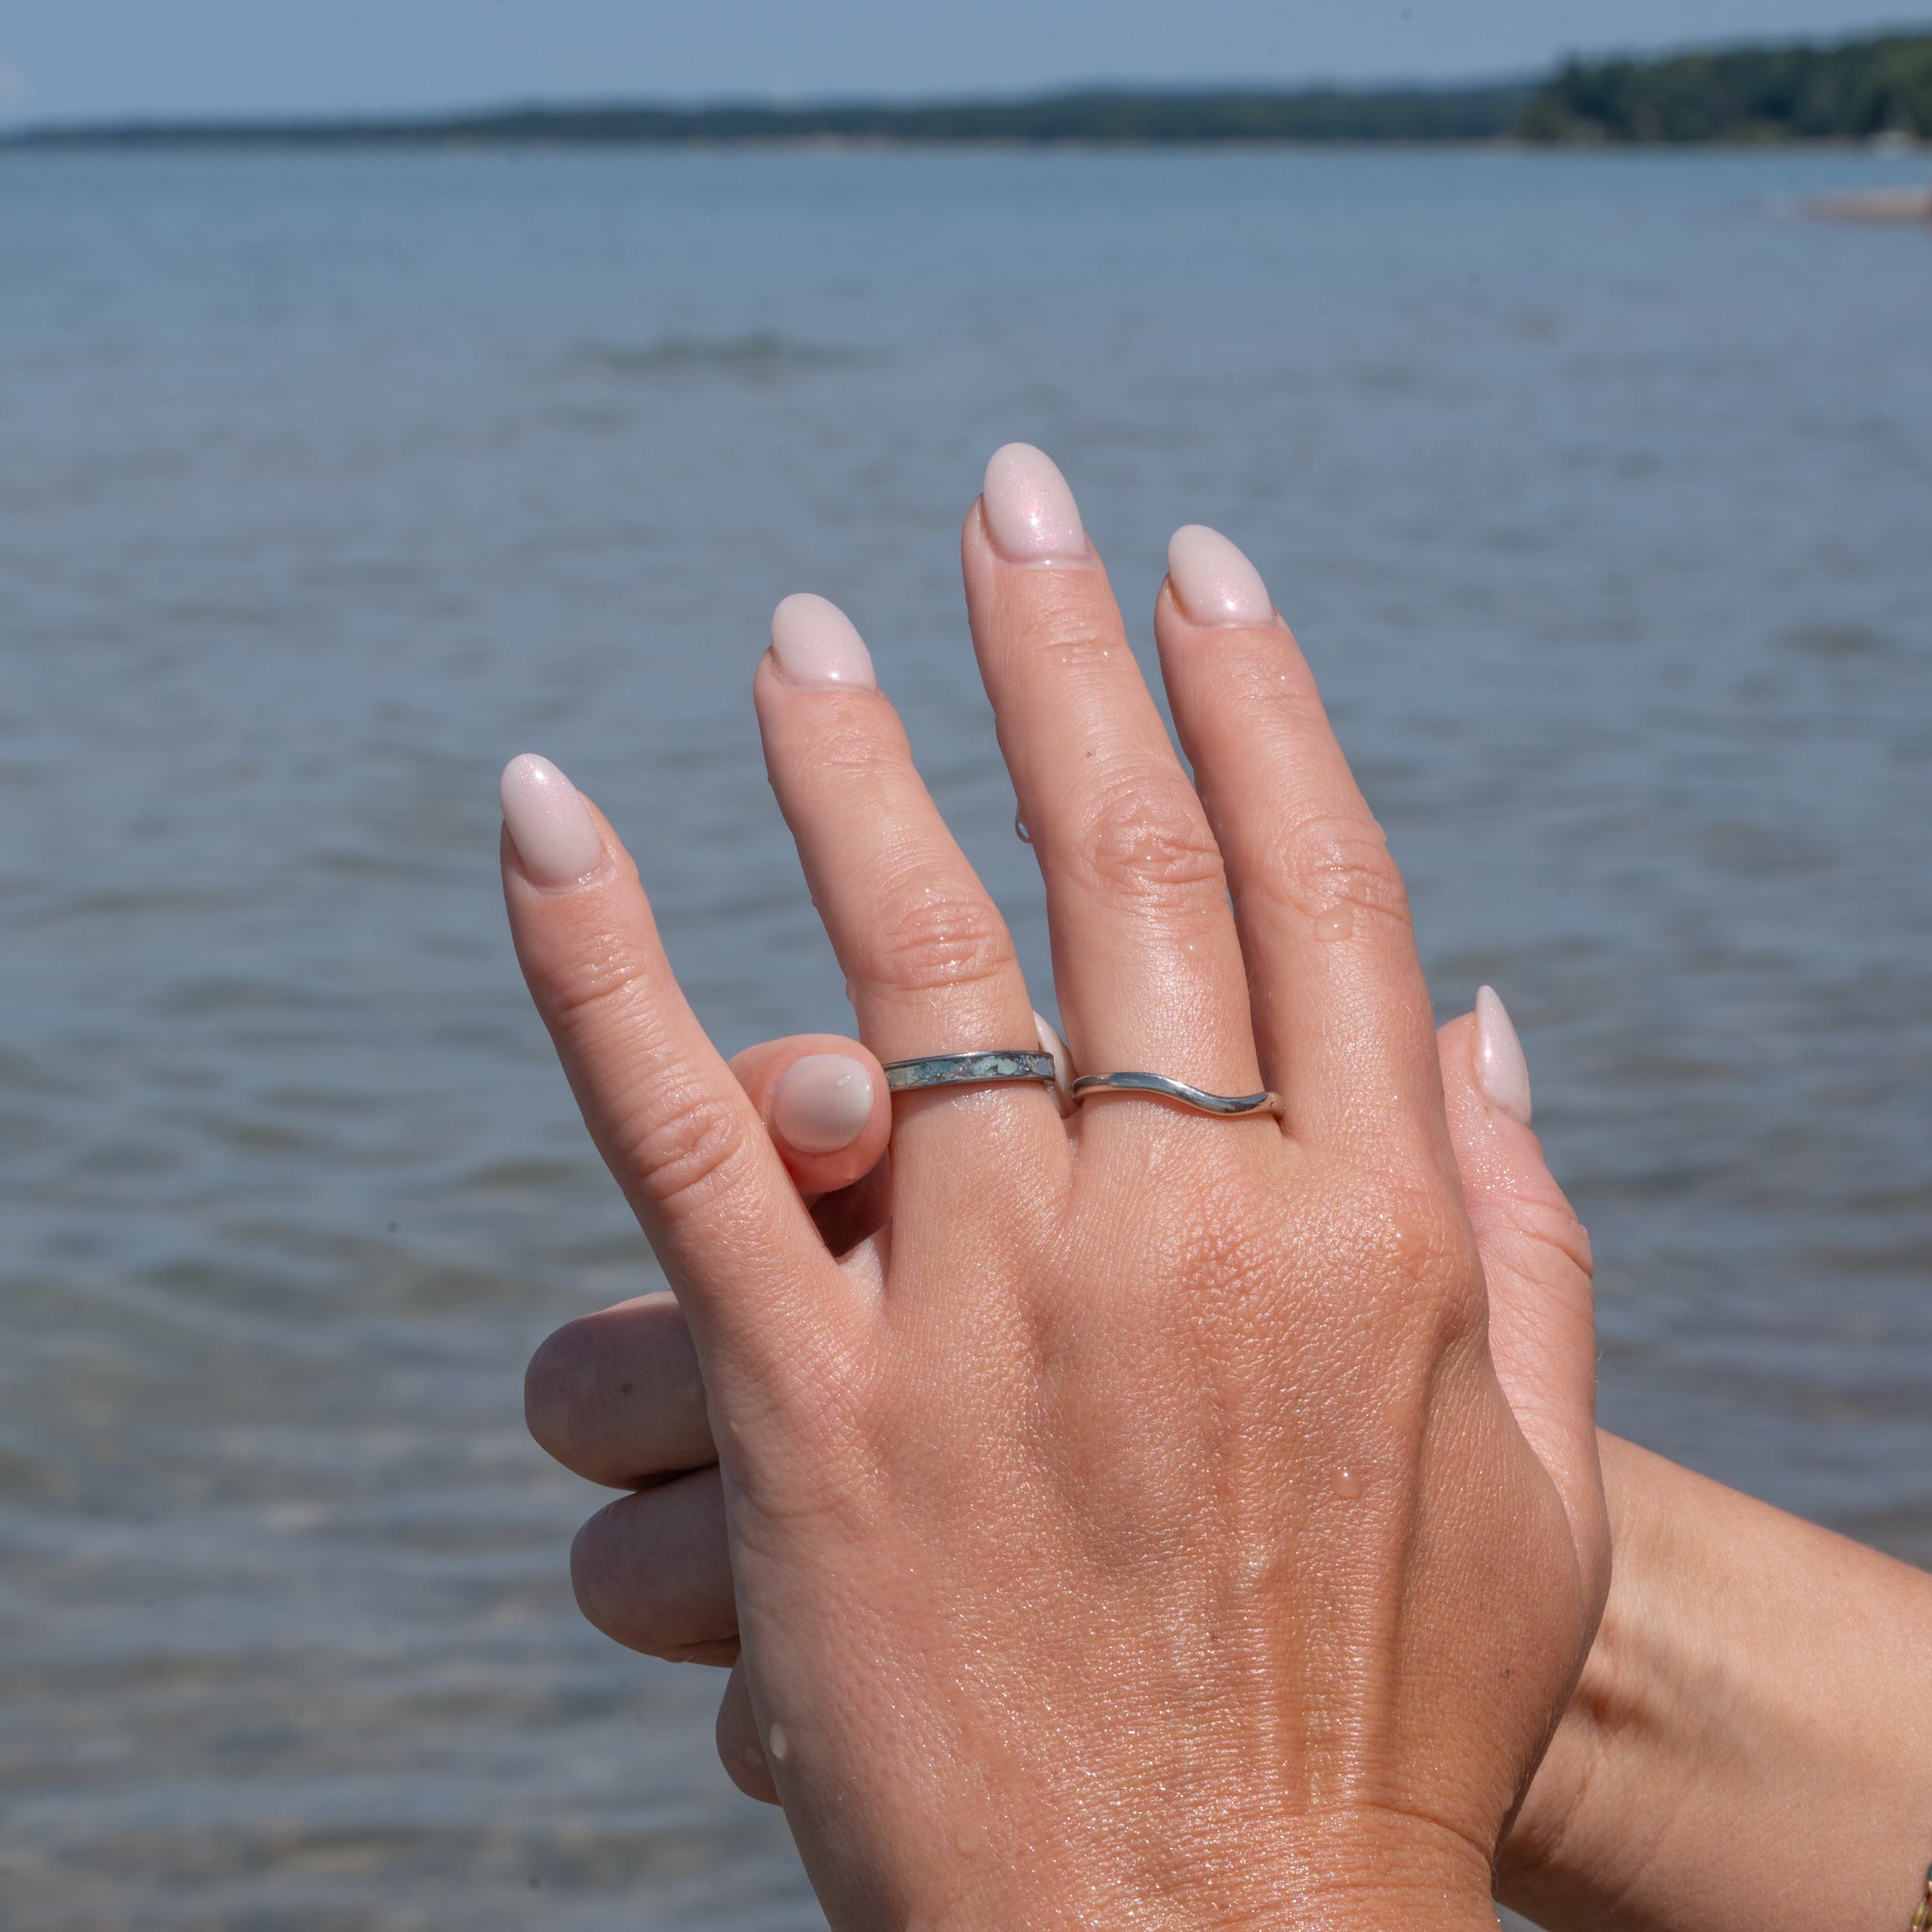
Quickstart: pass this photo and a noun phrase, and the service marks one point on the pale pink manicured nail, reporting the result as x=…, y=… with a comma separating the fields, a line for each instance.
x=1051, y=1042
x=548, y=826
x=816, y=645
x=823, y=1103
x=1213, y=582
x=1031, y=513
x=1502, y=1070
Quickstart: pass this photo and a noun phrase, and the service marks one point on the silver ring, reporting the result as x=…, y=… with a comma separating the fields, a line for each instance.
x=1223, y=1106
x=969, y=1070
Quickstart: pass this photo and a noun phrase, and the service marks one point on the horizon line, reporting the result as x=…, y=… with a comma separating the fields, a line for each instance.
x=457, y=116
x=165, y=122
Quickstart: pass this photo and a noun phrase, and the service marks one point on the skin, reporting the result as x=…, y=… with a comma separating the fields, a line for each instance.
x=617, y=1395
x=1745, y=1750
x=1138, y=1528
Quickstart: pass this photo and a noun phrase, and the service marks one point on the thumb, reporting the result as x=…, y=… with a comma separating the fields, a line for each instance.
x=1536, y=1258
x=824, y=1101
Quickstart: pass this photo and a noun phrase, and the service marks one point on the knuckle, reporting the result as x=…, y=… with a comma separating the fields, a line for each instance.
x=930, y=939
x=1271, y=681
x=599, y=981
x=1073, y=637
x=1414, y=1252
x=1146, y=839
x=1546, y=1219
x=685, y=1153
x=1331, y=860
x=856, y=743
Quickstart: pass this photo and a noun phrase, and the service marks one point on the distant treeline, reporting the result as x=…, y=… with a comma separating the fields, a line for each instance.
x=1114, y=118
x=1852, y=90
x=1849, y=91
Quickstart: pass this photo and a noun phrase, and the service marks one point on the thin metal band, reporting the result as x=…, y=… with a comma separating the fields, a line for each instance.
x=1223, y=1106
x=969, y=1070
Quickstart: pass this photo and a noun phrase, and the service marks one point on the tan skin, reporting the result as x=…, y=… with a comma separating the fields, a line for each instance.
x=1746, y=1751
x=1145, y=1525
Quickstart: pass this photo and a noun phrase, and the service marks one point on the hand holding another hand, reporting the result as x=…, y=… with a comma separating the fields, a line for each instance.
x=1133, y=1527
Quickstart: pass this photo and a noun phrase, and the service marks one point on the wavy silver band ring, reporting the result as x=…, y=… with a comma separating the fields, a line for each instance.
x=1223, y=1106
x=969, y=1070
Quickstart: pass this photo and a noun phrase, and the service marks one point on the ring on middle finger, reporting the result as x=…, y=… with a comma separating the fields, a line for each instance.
x=999, y=1067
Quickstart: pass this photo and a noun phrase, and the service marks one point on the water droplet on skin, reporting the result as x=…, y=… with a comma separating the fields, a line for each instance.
x=1346, y=1483
x=1335, y=924
x=1019, y=828
x=691, y=1392
x=777, y=1743
x=754, y=1756
x=969, y=1839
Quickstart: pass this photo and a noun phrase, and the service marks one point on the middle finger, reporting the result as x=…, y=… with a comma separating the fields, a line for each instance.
x=1146, y=964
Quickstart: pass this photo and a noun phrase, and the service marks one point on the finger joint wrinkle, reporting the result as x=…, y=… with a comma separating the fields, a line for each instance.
x=1146, y=839
x=685, y=1151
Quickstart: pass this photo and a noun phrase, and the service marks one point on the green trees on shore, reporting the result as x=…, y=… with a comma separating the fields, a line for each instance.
x=1852, y=90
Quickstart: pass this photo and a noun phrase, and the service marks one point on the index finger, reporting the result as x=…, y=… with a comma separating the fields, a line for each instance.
x=676, y=1131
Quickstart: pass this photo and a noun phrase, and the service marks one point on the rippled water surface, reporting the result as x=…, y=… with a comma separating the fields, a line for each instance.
x=1598, y=492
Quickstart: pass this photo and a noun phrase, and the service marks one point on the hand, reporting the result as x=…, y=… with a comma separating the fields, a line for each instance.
x=617, y=1397
x=1142, y=1504
x=1745, y=1752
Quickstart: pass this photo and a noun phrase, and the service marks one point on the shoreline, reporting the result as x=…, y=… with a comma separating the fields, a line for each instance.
x=326, y=139
x=1902, y=205
x=1872, y=91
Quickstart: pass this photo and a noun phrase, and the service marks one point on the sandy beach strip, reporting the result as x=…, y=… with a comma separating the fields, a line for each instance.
x=1893, y=204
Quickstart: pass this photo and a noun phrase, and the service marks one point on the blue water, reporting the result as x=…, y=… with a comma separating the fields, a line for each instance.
x=1597, y=488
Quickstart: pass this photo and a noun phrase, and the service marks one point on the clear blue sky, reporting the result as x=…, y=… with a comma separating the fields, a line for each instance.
x=61, y=59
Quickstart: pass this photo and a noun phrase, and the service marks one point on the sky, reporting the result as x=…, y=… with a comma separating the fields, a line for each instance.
x=64, y=60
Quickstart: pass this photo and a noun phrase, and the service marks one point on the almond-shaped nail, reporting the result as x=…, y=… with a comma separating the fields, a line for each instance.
x=1502, y=1070
x=823, y=1102
x=1051, y=1042
x=1031, y=513
x=548, y=826
x=816, y=646
x=1212, y=581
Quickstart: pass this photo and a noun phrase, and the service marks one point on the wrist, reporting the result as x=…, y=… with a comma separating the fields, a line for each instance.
x=1358, y=1874
x=1746, y=1746
x=1554, y=1832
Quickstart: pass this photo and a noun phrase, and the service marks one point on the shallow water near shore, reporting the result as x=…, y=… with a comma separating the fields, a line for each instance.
x=1596, y=493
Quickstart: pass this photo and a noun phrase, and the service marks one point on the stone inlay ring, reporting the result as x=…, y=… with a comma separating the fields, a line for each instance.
x=1223, y=1106
x=969, y=1070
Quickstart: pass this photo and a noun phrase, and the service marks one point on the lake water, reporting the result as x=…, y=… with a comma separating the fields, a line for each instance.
x=1598, y=492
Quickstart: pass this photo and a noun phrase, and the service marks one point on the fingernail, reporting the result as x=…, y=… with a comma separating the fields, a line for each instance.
x=1213, y=582
x=548, y=826
x=1502, y=1070
x=815, y=645
x=1051, y=1042
x=823, y=1103
x=1031, y=513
